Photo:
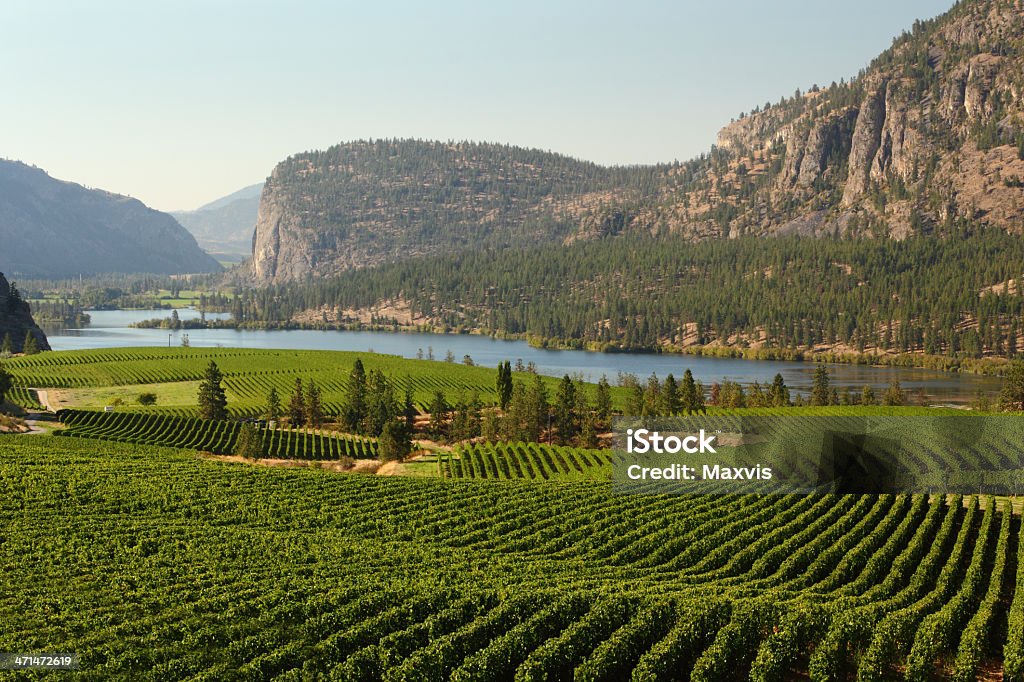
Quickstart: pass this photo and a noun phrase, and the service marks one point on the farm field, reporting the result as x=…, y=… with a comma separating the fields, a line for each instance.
x=153, y=563
x=92, y=379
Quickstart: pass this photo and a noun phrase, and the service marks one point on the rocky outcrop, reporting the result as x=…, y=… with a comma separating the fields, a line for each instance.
x=53, y=229
x=930, y=134
x=16, y=319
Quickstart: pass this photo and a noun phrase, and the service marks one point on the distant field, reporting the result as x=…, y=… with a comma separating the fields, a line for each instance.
x=91, y=379
x=155, y=564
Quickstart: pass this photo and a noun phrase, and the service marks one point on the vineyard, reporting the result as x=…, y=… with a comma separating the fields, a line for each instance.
x=531, y=461
x=154, y=564
x=217, y=437
x=249, y=376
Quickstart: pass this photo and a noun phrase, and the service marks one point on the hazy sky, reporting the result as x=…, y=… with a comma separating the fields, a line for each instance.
x=181, y=102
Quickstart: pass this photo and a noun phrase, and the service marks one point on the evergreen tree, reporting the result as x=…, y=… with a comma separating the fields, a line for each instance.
x=30, y=347
x=671, y=403
x=6, y=381
x=490, y=429
x=1011, y=397
x=652, y=396
x=690, y=402
x=273, y=410
x=314, y=408
x=7, y=346
x=820, y=393
x=867, y=395
x=778, y=394
x=513, y=423
x=894, y=395
x=603, y=402
x=394, y=443
x=354, y=410
x=438, y=414
x=537, y=415
x=213, y=402
x=409, y=407
x=566, y=418
x=381, y=403
x=297, y=405
x=588, y=432
x=504, y=384
x=249, y=443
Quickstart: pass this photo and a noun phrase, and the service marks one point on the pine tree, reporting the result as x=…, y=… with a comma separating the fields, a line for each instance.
x=30, y=347
x=689, y=401
x=778, y=394
x=7, y=347
x=867, y=395
x=504, y=384
x=894, y=395
x=5, y=383
x=297, y=405
x=394, y=443
x=438, y=414
x=671, y=403
x=537, y=414
x=820, y=393
x=354, y=411
x=1011, y=397
x=273, y=410
x=603, y=401
x=566, y=418
x=314, y=408
x=249, y=443
x=212, y=400
x=409, y=411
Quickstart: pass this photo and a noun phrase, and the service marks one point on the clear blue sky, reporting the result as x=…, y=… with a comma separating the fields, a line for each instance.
x=178, y=103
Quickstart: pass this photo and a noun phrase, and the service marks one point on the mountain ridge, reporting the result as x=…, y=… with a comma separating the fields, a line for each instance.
x=930, y=133
x=54, y=228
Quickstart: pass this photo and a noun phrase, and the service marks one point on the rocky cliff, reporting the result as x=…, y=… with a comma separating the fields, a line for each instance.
x=930, y=134
x=53, y=229
x=931, y=131
x=364, y=203
x=16, y=319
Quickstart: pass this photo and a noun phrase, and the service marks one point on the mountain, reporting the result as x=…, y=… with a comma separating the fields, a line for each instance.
x=16, y=319
x=224, y=227
x=370, y=202
x=932, y=131
x=52, y=229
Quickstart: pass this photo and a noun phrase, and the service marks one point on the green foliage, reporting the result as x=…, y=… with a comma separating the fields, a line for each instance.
x=30, y=345
x=303, y=573
x=249, y=442
x=217, y=437
x=212, y=400
x=273, y=410
x=1011, y=398
x=394, y=443
x=875, y=296
x=5, y=383
x=146, y=399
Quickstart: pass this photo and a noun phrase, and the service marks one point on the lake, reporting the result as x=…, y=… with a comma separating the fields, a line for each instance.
x=111, y=328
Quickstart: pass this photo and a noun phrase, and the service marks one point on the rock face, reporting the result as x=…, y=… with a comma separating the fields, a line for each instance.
x=16, y=319
x=930, y=135
x=364, y=203
x=53, y=229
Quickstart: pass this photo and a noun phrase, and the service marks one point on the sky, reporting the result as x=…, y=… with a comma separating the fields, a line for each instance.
x=179, y=103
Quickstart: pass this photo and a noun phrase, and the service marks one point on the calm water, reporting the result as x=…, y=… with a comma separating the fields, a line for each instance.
x=111, y=329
